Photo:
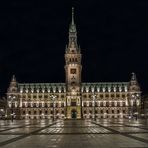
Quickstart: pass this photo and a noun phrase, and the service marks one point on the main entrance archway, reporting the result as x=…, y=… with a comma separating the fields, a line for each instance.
x=73, y=114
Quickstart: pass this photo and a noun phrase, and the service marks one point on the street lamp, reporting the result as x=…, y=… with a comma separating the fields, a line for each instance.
x=53, y=99
x=94, y=102
x=12, y=97
x=134, y=99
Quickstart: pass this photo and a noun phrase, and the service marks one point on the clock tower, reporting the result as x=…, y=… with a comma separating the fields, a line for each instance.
x=73, y=70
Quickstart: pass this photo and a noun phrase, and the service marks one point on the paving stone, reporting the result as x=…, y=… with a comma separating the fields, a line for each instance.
x=73, y=134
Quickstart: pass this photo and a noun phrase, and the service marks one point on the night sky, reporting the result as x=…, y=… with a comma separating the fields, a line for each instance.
x=113, y=36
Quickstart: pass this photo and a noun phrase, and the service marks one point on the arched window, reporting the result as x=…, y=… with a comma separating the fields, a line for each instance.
x=124, y=104
x=45, y=104
x=107, y=104
x=90, y=104
x=112, y=104
x=101, y=104
x=62, y=104
x=85, y=104
x=56, y=104
x=46, y=112
x=29, y=104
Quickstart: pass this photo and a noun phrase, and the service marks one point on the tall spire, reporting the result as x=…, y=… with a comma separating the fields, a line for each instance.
x=72, y=27
x=72, y=44
x=72, y=22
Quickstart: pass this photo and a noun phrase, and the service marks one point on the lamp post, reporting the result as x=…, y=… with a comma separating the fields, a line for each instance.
x=12, y=97
x=53, y=99
x=134, y=105
x=94, y=102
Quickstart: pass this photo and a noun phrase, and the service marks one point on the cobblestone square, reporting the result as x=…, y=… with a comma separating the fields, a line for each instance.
x=74, y=133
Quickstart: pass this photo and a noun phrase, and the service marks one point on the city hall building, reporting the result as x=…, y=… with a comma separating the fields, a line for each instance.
x=73, y=98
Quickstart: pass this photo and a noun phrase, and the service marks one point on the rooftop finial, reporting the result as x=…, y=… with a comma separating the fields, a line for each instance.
x=133, y=76
x=13, y=78
x=72, y=16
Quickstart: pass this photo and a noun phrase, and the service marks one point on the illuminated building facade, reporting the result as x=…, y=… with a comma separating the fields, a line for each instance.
x=74, y=98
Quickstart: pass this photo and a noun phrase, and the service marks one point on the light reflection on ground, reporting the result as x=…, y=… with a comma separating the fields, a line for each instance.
x=73, y=133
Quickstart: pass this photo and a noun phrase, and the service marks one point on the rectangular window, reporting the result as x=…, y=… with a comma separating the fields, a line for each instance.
x=101, y=96
x=40, y=96
x=117, y=95
x=112, y=95
x=123, y=96
x=106, y=95
x=46, y=96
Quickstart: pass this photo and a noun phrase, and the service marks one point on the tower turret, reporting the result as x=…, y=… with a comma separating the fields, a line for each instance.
x=13, y=102
x=134, y=97
x=133, y=84
x=13, y=85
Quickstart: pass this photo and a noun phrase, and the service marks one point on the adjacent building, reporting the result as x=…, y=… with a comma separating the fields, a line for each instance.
x=2, y=107
x=144, y=105
x=73, y=98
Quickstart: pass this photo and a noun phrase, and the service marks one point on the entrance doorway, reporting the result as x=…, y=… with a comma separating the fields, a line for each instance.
x=73, y=114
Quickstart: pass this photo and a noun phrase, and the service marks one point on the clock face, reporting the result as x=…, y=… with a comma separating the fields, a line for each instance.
x=73, y=71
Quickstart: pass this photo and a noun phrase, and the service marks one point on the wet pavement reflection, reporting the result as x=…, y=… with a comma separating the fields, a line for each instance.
x=74, y=133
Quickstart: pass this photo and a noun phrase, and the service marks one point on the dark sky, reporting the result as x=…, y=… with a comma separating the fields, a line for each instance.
x=113, y=36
